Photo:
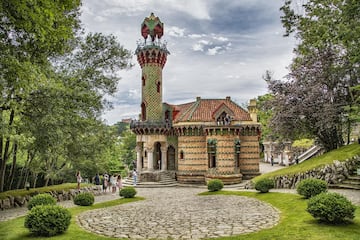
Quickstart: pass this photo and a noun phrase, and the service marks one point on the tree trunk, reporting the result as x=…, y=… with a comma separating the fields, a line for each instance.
x=13, y=166
x=5, y=156
x=35, y=180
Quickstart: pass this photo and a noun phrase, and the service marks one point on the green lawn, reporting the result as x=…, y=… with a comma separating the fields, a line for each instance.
x=295, y=222
x=15, y=230
x=340, y=154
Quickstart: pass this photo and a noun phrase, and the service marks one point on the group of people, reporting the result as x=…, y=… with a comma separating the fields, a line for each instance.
x=110, y=182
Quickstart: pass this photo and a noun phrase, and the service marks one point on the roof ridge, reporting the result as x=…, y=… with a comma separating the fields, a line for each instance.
x=185, y=112
x=195, y=107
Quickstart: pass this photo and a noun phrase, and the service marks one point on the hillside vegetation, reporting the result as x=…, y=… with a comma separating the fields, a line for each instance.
x=340, y=154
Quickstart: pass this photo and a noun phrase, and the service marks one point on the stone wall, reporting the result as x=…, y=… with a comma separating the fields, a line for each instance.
x=21, y=201
x=332, y=173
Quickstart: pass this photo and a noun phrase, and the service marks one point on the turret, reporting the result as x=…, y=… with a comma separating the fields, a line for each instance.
x=151, y=55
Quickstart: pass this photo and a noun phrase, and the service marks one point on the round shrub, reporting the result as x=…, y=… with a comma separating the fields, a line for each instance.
x=215, y=185
x=264, y=185
x=47, y=220
x=41, y=199
x=311, y=187
x=127, y=192
x=84, y=199
x=331, y=208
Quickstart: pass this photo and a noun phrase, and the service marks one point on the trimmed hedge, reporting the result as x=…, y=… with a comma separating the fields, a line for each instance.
x=331, y=208
x=215, y=185
x=47, y=220
x=127, y=192
x=264, y=185
x=311, y=187
x=41, y=199
x=84, y=199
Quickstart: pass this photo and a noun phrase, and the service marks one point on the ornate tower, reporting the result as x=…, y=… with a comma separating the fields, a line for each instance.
x=151, y=55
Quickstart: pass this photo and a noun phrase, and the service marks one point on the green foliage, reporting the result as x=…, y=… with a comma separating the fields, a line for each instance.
x=48, y=220
x=340, y=154
x=127, y=148
x=311, y=187
x=303, y=143
x=264, y=185
x=331, y=208
x=127, y=192
x=326, y=57
x=41, y=199
x=84, y=199
x=214, y=185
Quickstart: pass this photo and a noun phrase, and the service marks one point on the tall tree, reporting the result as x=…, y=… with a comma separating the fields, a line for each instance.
x=323, y=72
x=54, y=82
x=30, y=33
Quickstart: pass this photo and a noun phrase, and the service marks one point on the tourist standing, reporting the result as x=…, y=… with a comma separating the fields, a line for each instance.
x=134, y=177
x=78, y=179
x=105, y=181
x=97, y=179
x=113, y=183
x=272, y=160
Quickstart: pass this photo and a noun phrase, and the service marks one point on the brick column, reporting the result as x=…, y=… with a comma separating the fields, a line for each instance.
x=138, y=158
x=150, y=157
x=164, y=157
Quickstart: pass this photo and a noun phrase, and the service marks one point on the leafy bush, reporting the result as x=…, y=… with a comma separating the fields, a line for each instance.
x=264, y=185
x=84, y=199
x=41, y=199
x=127, y=192
x=47, y=220
x=215, y=185
x=331, y=208
x=311, y=187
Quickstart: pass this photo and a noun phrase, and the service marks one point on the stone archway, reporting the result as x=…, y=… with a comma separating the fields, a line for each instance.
x=157, y=156
x=171, y=158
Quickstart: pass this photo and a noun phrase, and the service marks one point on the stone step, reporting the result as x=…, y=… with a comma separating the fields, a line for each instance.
x=351, y=182
x=345, y=186
x=357, y=178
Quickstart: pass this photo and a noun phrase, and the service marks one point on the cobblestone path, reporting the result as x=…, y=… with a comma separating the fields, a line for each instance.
x=179, y=213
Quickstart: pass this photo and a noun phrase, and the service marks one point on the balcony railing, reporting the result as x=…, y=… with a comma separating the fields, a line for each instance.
x=150, y=124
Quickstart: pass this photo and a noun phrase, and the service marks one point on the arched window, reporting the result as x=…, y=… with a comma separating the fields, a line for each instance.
x=143, y=112
x=143, y=80
x=224, y=119
x=158, y=84
x=237, y=153
x=211, y=149
x=181, y=155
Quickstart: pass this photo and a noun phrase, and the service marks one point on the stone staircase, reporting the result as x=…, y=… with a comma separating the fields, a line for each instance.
x=352, y=182
x=165, y=181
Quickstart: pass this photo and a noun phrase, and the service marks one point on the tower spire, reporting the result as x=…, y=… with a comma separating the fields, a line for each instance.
x=152, y=58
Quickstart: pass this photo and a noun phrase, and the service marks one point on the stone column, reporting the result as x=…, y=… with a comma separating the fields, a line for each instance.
x=150, y=157
x=138, y=158
x=164, y=157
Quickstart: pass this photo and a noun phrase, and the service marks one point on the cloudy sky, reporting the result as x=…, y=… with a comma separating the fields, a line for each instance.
x=217, y=48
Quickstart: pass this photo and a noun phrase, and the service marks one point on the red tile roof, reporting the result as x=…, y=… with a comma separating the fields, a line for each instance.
x=204, y=110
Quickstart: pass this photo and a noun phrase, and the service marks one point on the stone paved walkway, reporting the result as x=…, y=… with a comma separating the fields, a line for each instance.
x=179, y=213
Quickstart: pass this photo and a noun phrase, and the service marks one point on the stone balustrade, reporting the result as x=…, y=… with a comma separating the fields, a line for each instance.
x=21, y=201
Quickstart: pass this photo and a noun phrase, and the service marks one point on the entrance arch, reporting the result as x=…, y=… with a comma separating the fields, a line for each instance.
x=157, y=156
x=171, y=158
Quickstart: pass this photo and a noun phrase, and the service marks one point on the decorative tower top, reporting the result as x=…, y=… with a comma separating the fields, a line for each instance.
x=152, y=26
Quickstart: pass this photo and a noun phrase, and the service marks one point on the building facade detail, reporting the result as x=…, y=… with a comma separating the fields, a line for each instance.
x=196, y=141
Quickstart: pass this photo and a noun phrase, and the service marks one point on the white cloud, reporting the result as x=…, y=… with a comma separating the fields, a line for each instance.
x=198, y=47
x=220, y=38
x=194, y=36
x=175, y=31
x=215, y=52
